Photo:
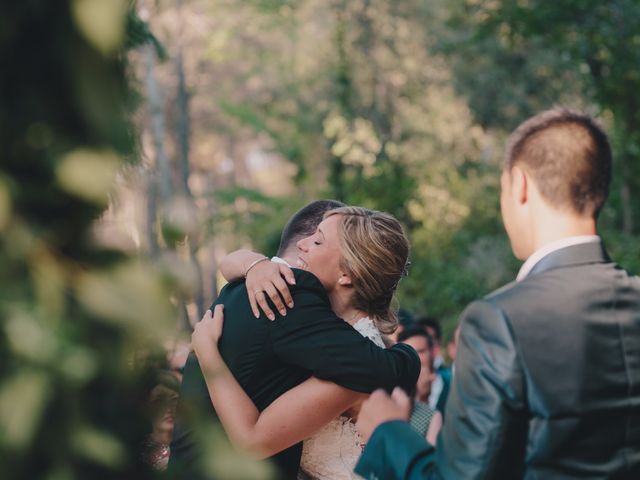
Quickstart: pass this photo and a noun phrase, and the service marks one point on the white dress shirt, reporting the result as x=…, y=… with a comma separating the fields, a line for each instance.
x=280, y=260
x=550, y=248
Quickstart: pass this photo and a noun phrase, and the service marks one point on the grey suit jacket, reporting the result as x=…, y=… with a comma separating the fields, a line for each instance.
x=547, y=382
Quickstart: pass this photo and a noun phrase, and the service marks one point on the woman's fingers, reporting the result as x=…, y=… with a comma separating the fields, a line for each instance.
x=253, y=302
x=283, y=291
x=205, y=337
x=257, y=278
x=207, y=316
x=274, y=296
x=199, y=330
x=266, y=282
x=211, y=323
x=261, y=298
x=287, y=273
x=199, y=326
x=218, y=321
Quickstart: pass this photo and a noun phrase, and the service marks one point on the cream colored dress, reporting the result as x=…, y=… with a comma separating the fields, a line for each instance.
x=332, y=453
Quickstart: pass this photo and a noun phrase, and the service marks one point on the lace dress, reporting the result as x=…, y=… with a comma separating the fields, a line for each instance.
x=333, y=451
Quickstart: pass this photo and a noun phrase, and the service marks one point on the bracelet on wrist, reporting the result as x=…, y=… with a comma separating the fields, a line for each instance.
x=253, y=264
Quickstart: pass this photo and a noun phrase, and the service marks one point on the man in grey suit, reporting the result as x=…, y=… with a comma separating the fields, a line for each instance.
x=547, y=382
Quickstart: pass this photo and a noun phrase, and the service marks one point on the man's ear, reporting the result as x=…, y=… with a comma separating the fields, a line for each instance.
x=345, y=280
x=520, y=184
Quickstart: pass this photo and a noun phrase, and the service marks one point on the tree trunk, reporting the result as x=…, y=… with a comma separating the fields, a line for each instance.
x=184, y=130
x=152, y=213
x=158, y=186
x=344, y=92
x=156, y=114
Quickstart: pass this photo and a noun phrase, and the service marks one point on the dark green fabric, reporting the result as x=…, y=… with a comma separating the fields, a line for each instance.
x=269, y=358
x=547, y=382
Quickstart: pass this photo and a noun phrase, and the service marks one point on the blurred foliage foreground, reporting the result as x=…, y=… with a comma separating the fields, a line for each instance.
x=72, y=314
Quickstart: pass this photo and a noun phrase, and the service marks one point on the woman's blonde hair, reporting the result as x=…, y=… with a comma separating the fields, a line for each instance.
x=374, y=252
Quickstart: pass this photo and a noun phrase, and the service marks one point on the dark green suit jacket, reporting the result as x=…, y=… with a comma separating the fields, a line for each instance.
x=269, y=358
x=547, y=382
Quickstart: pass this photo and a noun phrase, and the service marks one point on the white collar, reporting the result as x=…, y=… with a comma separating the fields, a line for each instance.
x=280, y=260
x=552, y=247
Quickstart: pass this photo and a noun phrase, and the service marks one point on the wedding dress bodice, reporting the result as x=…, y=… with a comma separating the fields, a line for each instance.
x=333, y=451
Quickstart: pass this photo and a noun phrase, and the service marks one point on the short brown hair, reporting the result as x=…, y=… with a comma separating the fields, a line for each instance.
x=374, y=251
x=568, y=156
x=304, y=222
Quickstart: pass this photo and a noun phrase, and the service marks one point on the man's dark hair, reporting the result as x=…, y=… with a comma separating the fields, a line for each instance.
x=568, y=156
x=432, y=323
x=415, y=331
x=305, y=221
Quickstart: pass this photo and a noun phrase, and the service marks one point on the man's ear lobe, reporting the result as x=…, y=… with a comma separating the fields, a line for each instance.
x=345, y=280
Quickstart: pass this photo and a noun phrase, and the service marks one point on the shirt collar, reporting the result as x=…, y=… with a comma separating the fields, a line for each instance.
x=550, y=248
x=280, y=260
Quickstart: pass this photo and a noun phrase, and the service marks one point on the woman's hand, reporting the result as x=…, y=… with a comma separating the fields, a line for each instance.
x=266, y=279
x=205, y=337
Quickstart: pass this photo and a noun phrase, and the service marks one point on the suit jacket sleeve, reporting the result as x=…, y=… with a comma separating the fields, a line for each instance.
x=312, y=337
x=484, y=435
x=395, y=450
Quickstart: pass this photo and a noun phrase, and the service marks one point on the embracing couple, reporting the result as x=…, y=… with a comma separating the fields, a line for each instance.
x=301, y=370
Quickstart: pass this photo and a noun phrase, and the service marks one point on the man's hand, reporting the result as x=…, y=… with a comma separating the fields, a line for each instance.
x=380, y=408
x=266, y=279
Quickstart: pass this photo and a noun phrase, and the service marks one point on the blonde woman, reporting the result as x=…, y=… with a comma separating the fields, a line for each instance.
x=359, y=256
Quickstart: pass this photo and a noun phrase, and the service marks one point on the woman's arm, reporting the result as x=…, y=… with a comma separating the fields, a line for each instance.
x=234, y=265
x=264, y=279
x=292, y=417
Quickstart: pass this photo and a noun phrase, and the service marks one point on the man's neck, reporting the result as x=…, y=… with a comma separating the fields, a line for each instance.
x=290, y=256
x=555, y=231
x=555, y=227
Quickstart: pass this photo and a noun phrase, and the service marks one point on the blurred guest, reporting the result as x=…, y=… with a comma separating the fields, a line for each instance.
x=435, y=425
x=422, y=343
x=425, y=420
x=440, y=386
x=432, y=326
x=452, y=347
x=162, y=408
x=177, y=354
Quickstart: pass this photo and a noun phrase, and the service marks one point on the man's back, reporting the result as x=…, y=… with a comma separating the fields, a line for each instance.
x=269, y=358
x=576, y=325
x=552, y=365
x=547, y=382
